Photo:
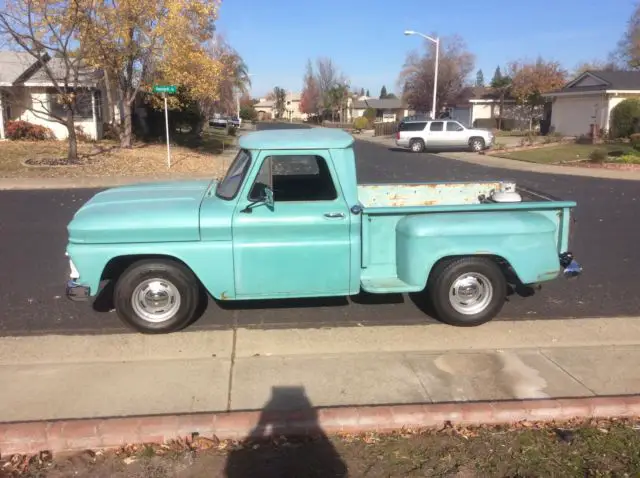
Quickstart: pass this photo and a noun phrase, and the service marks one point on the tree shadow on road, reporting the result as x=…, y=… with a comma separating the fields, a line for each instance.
x=264, y=453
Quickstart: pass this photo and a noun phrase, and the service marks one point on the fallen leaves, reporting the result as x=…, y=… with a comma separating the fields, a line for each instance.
x=106, y=159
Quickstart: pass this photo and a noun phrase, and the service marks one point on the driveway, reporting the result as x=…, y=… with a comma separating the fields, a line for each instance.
x=33, y=237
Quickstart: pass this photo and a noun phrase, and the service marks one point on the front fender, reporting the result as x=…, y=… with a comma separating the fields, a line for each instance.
x=211, y=262
x=526, y=240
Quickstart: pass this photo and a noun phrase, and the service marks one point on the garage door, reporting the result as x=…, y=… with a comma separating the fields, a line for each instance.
x=572, y=116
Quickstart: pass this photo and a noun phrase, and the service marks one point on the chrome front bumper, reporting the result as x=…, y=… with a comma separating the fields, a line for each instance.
x=570, y=267
x=77, y=292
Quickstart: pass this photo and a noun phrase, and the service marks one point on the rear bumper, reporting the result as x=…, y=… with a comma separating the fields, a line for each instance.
x=570, y=267
x=77, y=292
x=402, y=143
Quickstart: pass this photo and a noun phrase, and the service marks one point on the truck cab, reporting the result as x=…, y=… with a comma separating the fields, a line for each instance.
x=289, y=220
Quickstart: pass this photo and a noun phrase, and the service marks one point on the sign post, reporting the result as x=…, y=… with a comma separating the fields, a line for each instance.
x=165, y=90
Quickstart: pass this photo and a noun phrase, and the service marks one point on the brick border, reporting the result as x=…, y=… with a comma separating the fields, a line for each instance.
x=70, y=435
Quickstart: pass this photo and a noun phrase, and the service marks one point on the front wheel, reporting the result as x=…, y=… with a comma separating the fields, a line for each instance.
x=476, y=144
x=156, y=296
x=467, y=292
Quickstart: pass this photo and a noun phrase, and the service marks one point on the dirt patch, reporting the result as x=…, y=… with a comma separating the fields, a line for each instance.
x=595, y=448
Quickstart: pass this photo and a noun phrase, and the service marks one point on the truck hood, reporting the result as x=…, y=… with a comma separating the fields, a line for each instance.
x=154, y=212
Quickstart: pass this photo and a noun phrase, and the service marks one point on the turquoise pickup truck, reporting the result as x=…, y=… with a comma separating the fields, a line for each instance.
x=289, y=220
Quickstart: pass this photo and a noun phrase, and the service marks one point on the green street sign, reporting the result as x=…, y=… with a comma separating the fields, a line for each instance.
x=170, y=89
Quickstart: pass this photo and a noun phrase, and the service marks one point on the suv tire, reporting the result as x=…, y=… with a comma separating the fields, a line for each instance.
x=416, y=145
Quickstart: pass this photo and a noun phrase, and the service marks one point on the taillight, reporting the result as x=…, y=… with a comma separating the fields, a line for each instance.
x=397, y=134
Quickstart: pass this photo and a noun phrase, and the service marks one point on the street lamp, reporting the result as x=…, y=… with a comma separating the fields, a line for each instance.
x=435, y=76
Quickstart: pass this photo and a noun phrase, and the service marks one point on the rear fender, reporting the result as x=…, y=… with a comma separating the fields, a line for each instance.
x=525, y=240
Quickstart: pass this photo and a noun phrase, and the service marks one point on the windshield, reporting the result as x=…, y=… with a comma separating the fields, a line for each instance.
x=230, y=185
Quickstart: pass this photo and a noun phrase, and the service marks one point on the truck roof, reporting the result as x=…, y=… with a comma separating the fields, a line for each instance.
x=308, y=138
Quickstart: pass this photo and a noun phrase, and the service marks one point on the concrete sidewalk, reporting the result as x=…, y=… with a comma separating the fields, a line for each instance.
x=65, y=377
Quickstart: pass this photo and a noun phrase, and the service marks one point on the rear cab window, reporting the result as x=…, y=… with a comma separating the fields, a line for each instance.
x=436, y=126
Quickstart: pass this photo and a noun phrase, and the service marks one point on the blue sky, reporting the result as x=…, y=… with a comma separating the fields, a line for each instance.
x=365, y=38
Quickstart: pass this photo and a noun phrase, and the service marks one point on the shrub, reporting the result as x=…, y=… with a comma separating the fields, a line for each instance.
x=27, y=131
x=361, y=123
x=82, y=136
x=109, y=132
x=370, y=114
x=635, y=141
x=629, y=159
x=624, y=118
x=598, y=155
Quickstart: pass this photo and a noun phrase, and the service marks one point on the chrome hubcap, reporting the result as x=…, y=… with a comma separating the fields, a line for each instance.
x=155, y=300
x=470, y=293
x=416, y=146
x=476, y=145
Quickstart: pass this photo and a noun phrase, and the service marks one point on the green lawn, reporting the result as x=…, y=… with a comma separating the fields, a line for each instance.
x=564, y=152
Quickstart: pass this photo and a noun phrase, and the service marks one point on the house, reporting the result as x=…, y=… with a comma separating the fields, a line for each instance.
x=387, y=110
x=266, y=108
x=589, y=99
x=479, y=102
x=27, y=93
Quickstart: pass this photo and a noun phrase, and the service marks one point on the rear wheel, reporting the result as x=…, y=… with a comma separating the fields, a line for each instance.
x=467, y=292
x=157, y=296
x=476, y=144
x=416, y=145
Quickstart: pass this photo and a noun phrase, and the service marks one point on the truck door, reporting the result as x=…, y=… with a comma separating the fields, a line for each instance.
x=300, y=246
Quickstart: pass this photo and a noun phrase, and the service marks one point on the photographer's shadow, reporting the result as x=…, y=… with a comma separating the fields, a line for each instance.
x=264, y=454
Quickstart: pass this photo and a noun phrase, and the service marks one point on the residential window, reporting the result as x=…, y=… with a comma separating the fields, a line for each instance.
x=417, y=126
x=454, y=126
x=295, y=178
x=437, y=126
x=83, y=106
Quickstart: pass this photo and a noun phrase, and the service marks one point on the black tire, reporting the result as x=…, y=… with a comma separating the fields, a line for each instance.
x=174, y=278
x=476, y=144
x=416, y=145
x=444, y=276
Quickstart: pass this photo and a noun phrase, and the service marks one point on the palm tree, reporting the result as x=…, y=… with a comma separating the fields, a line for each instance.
x=235, y=79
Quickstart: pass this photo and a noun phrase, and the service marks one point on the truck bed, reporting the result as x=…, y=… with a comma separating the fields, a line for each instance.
x=399, y=220
x=438, y=194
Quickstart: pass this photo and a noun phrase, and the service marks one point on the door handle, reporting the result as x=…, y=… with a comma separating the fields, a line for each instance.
x=334, y=215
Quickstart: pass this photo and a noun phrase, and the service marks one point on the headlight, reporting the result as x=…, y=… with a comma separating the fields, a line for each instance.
x=74, y=272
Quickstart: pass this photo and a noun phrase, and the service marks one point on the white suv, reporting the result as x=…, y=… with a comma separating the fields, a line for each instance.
x=419, y=135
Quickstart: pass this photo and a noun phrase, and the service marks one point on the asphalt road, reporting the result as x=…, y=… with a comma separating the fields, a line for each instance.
x=607, y=243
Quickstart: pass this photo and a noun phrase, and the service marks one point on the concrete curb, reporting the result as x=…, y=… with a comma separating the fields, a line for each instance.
x=70, y=435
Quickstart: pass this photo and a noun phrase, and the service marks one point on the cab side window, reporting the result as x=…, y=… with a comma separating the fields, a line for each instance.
x=295, y=178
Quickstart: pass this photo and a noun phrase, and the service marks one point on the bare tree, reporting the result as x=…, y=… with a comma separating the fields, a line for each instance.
x=454, y=66
x=594, y=65
x=45, y=31
x=328, y=78
x=627, y=53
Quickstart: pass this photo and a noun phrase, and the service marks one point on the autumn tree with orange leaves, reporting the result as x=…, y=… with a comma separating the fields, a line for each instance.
x=134, y=41
x=530, y=80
